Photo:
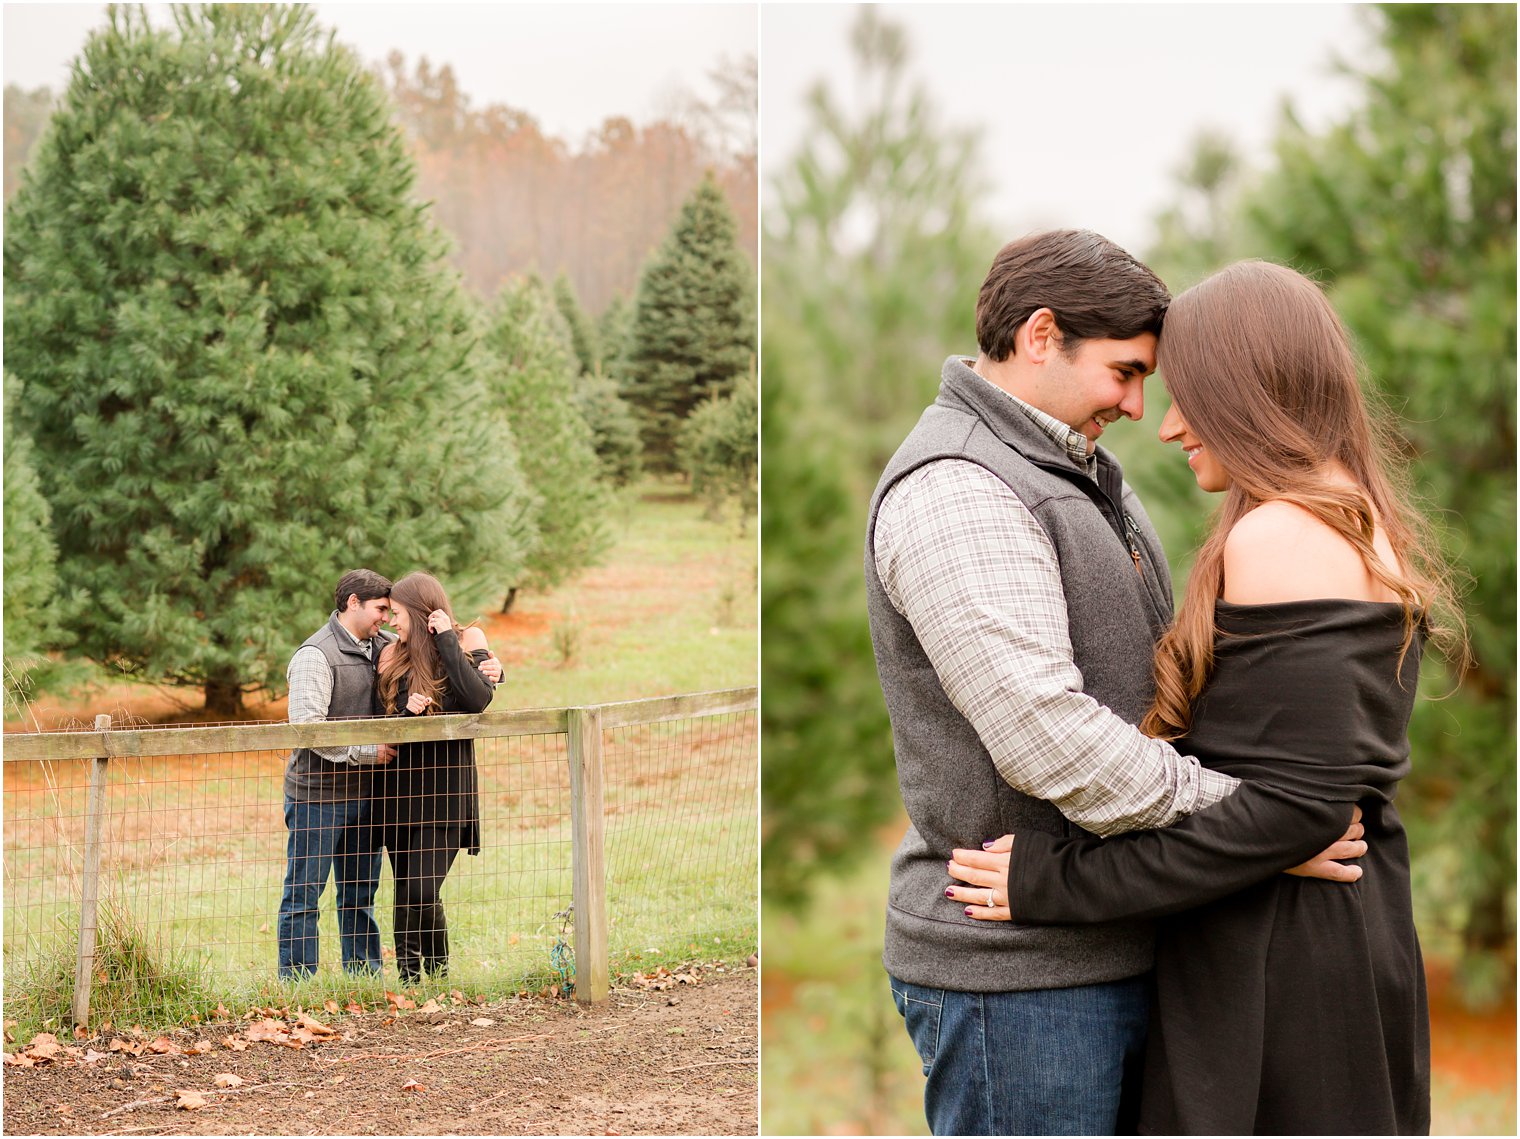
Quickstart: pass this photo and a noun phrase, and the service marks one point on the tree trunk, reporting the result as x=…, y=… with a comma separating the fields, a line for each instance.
x=506, y=605
x=224, y=699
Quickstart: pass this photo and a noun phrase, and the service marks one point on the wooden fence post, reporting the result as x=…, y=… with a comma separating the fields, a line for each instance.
x=588, y=831
x=89, y=895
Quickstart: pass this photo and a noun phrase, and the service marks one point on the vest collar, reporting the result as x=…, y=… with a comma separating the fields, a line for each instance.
x=963, y=389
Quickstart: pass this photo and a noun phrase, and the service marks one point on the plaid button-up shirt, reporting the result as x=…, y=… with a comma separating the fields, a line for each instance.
x=968, y=566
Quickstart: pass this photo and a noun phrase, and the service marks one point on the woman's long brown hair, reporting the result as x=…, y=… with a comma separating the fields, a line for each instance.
x=1263, y=371
x=416, y=658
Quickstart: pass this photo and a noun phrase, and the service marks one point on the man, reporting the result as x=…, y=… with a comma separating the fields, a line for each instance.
x=1015, y=589
x=327, y=790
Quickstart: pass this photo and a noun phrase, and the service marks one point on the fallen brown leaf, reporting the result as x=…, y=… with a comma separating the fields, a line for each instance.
x=236, y=1043
x=482, y=1022
x=190, y=1101
x=431, y=1006
x=20, y=1060
x=330, y=1006
x=221, y=1012
x=163, y=1046
x=81, y=1032
x=270, y=1030
x=398, y=1001
x=312, y=1024
x=413, y=1086
x=199, y=1048
x=228, y=1080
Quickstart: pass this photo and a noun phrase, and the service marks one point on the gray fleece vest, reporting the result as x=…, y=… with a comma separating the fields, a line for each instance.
x=309, y=777
x=953, y=794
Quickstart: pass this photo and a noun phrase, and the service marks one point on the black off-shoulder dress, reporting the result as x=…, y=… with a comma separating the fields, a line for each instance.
x=1284, y=1005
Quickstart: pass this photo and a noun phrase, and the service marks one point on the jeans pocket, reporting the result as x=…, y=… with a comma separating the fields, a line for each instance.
x=920, y=1009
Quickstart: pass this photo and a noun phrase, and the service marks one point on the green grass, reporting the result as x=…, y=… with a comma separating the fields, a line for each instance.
x=672, y=610
x=195, y=846
x=837, y=1060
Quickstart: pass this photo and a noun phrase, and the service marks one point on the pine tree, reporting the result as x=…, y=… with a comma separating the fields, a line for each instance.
x=614, y=428
x=31, y=556
x=247, y=369
x=535, y=386
x=718, y=446
x=693, y=331
x=582, y=331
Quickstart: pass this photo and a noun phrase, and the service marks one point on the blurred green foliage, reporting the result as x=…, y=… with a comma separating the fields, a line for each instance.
x=871, y=263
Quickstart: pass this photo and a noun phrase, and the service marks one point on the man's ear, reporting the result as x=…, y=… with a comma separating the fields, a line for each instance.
x=1039, y=338
x=352, y=603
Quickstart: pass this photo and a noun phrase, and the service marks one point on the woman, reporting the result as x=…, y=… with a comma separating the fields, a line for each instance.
x=427, y=802
x=1284, y=1005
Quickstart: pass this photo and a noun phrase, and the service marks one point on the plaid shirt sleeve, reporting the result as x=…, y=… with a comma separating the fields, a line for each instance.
x=965, y=562
x=311, y=685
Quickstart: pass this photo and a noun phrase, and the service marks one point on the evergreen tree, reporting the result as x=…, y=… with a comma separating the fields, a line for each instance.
x=582, y=331
x=614, y=428
x=719, y=448
x=535, y=387
x=31, y=576
x=247, y=369
x=614, y=330
x=26, y=114
x=693, y=331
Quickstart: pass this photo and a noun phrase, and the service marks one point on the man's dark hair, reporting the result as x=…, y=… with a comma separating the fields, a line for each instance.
x=1095, y=289
x=364, y=584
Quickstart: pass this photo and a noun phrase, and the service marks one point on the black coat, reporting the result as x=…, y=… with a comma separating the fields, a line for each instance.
x=434, y=783
x=1284, y=1005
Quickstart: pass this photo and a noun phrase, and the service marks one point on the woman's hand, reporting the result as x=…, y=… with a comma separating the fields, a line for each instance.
x=417, y=703
x=985, y=873
x=438, y=621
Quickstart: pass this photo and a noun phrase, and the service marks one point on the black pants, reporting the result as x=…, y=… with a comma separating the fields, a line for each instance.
x=420, y=860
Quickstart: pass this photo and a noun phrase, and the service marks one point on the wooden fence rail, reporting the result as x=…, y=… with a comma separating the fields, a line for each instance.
x=583, y=728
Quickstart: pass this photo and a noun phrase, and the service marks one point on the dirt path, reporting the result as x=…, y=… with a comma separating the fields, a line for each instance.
x=677, y=1061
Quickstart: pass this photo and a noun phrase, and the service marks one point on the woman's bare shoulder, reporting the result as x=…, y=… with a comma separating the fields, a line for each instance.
x=1281, y=552
x=472, y=637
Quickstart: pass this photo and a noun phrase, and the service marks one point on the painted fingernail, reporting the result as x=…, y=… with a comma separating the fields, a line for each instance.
x=950, y=893
x=988, y=845
x=968, y=911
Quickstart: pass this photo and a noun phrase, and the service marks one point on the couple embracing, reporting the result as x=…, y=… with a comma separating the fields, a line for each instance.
x=1237, y=953
x=419, y=801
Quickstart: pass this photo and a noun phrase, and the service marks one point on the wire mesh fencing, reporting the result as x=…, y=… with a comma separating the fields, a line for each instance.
x=144, y=868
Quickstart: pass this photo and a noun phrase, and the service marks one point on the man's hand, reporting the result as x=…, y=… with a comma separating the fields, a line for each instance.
x=490, y=668
x=384, y=753
x=1349, y=845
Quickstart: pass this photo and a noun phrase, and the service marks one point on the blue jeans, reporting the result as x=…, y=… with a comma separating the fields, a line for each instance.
x=1042, y=1062
x=337, y=839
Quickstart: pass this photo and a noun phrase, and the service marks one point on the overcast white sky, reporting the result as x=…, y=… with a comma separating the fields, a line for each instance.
x=570, y=66
x=1086, y=109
